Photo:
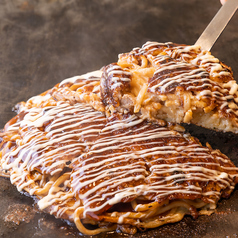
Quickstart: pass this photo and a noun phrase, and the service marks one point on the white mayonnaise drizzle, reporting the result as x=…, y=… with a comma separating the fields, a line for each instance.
x=110, y=163
x=114, y=159
x=115, y=80
x=111, y=160
x=96, y=74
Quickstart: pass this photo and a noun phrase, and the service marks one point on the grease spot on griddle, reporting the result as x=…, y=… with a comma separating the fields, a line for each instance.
x=18, y=213
x=45, y=224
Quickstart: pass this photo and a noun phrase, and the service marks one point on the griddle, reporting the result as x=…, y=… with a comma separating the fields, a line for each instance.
x=44, y=42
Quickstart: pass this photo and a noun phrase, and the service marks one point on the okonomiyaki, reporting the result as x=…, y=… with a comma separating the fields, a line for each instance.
x=111, y=171
x=175, y=83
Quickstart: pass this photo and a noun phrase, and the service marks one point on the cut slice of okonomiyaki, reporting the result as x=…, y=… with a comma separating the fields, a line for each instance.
x=175, y=83
x=84, y=88
x=121, y=172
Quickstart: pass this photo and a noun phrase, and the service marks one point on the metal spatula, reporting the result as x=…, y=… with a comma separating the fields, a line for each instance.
x=217, y=25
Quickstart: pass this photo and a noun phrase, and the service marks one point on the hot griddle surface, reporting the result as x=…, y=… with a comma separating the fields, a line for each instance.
x=44, y=42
